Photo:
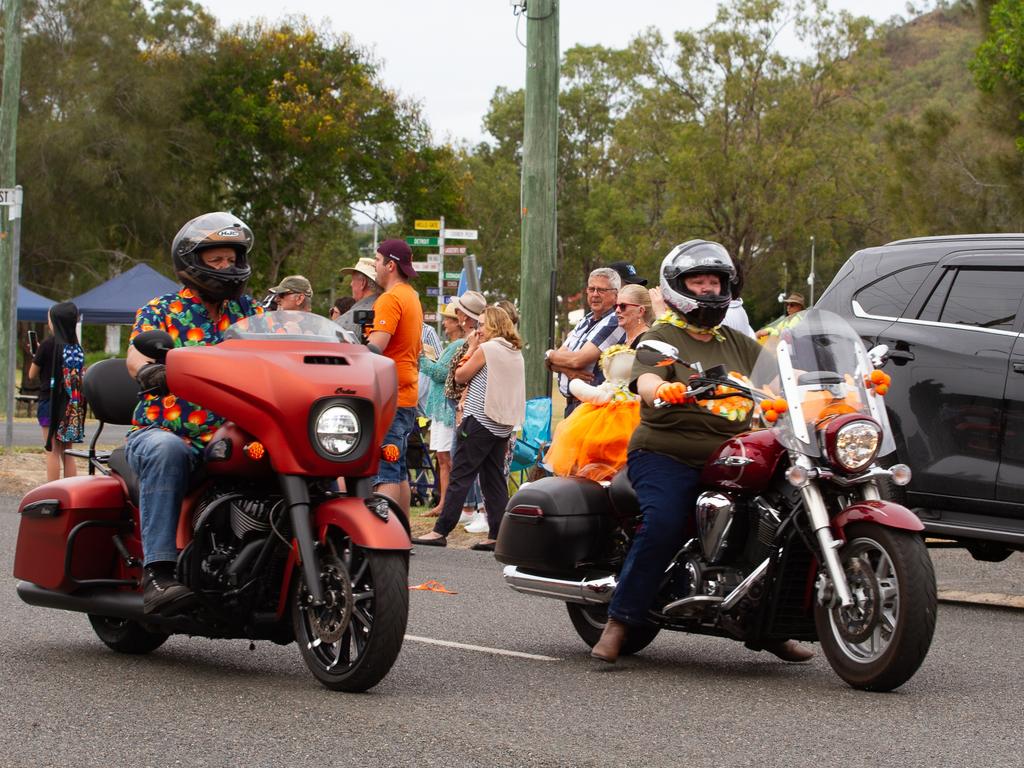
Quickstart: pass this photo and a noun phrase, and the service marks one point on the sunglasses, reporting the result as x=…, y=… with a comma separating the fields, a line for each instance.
x=621, y=306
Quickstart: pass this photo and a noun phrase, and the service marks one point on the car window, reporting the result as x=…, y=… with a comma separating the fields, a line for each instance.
x=889, y=296
x=984, y=298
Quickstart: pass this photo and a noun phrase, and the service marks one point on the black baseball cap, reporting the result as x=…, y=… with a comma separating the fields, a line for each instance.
x=628, y=273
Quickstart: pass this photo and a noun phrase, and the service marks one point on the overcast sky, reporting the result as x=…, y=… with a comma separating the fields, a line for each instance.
x=450, y=55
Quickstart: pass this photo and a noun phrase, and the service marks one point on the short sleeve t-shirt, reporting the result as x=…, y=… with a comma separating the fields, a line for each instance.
x=185, y=318
x=690, y=433
x=44, y=359
x=398, y=312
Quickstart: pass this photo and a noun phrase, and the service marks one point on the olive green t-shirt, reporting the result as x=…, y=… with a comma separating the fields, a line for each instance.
x=690, y=433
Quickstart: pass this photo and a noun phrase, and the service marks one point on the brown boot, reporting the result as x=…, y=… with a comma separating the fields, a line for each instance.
x=790, y=650
x=608, y=647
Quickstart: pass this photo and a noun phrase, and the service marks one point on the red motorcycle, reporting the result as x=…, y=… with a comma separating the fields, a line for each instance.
x=791, y=536
x=270, y=546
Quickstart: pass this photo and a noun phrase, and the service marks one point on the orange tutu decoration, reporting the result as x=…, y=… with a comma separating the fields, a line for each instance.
x=594, y=434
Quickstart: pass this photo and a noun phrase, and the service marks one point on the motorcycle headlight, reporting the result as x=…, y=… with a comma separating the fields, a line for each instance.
x=337, y=430
x=853, y=445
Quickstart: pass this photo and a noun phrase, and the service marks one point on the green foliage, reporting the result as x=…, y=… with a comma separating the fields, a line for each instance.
x=999, y=65
x=109, y=167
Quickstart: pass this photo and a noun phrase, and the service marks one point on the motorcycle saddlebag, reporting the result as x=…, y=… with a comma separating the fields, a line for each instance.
x=77, y=515
x=555, y=525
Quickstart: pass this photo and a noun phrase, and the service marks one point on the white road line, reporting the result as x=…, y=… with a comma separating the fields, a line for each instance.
x=480, y=648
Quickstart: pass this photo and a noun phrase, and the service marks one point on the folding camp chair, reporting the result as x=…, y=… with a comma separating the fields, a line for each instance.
x=420, y=461
x=533, y=441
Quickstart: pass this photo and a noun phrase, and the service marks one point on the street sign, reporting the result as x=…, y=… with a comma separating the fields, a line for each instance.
x=433, y=290
x=430, y=317
x=434, y=224
x=425, y=266
x=452, y=276
x=434, y=257
x=418, y=242
x=10, y=196
x=455, y=250
x=460, y=234
x=445, y=299
x=451, y=285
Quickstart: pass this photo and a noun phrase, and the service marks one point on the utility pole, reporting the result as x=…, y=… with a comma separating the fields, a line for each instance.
x=539, y=210
x=8, y=146
x=810, y=277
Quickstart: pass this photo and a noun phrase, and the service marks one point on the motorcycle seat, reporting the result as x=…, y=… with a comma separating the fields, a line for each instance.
x=623, y=497
x=118, y=464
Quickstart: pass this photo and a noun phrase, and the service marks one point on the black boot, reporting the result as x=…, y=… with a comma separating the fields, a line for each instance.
x=162, y=593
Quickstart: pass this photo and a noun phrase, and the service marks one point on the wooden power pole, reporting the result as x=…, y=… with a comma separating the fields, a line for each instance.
x=539, y=207
x=8, y=146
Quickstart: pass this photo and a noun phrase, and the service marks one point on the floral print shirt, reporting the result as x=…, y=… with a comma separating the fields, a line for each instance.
x=185, y=318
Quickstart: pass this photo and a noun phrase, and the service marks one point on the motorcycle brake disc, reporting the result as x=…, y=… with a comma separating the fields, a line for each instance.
x=856, y=623
x=330, y=620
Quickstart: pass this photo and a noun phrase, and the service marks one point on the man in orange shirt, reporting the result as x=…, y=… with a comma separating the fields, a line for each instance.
x=397, y=323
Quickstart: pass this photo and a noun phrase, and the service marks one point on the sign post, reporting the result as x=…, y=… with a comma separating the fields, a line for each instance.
x=10, y=200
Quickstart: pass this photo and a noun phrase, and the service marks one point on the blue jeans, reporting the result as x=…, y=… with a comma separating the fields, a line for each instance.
x=162, y=462
x=667, y=491
x=398, y=435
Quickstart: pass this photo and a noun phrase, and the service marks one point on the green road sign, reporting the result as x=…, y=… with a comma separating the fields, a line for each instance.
x=452, y=275
x=421, y=241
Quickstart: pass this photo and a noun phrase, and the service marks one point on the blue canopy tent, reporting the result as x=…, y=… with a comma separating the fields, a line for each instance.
x=116, y=301
x=32, y=308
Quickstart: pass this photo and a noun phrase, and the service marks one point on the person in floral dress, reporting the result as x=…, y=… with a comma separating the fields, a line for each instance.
x=169, y=435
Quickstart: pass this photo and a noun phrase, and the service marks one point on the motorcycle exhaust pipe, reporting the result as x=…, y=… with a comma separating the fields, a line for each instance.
x=586, y=592
x=118, y=605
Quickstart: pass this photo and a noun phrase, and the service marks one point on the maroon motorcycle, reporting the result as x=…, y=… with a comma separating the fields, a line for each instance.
x=791, y=536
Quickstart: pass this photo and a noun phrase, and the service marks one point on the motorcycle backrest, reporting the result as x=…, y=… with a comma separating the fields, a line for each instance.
x=110, y=391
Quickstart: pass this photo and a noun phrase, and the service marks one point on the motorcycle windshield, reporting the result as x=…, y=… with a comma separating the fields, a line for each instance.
x=820, y=367
x=288, y=325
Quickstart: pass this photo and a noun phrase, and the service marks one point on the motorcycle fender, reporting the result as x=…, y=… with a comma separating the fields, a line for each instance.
x=361, y=525
x=886, y=513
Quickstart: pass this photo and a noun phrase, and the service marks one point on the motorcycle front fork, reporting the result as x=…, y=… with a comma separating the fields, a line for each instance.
x=814, y=503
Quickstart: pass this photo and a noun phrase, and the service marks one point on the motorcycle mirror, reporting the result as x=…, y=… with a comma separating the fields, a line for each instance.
x=154, y=344
x=656, y=353
x=879, y=355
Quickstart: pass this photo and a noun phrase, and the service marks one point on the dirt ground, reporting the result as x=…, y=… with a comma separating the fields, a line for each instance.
x=22, y=471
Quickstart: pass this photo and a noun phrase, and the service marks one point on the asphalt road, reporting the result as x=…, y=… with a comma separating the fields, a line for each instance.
x=27, y=433
x=685, y=701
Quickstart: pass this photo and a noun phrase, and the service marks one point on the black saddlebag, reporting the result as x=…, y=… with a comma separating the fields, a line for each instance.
x=556, y=524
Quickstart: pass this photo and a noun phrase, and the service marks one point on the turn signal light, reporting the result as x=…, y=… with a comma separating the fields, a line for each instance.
x=901, y=474
x=798, y=476
x=255, y=451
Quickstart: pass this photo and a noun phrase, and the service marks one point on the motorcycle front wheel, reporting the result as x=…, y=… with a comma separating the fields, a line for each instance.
x=589, y=621
x=351, y=641
x=882, y=641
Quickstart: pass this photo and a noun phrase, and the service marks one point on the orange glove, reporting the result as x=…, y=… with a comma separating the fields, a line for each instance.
x=673, y=392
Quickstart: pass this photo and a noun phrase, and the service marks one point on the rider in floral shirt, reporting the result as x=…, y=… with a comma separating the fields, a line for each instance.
x=210, y=256
x=187, y=320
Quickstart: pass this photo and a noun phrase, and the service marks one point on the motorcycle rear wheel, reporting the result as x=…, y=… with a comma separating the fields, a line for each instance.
x=893, y=579
x=125, y=635
x=589, y=621
x=371, y=637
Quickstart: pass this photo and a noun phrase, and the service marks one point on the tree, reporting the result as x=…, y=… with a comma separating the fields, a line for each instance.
x=303, y=128
x=999, y=64
x=110, y=168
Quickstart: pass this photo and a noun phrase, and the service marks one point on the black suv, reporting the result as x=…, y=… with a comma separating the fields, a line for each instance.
x=950, y=310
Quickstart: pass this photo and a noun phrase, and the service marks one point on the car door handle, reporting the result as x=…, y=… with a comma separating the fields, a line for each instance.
x=1018, y=367
x=900, y=356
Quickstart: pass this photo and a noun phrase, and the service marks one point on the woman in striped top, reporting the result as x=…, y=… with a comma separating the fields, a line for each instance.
x=494, y=402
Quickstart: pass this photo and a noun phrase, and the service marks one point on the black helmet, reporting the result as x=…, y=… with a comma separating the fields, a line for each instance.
x=697, y=257
x=213, y=230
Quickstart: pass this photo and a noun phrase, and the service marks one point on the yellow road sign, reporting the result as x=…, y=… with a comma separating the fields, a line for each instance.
x=434, y=224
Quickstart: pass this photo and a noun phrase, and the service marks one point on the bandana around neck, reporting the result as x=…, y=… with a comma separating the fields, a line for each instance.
x=671, y=318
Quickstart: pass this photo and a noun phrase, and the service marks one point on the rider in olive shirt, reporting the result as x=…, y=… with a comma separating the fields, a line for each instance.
x=671, y=444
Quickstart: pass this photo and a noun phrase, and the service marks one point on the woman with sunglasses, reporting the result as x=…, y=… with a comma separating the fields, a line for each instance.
x=634, y=313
